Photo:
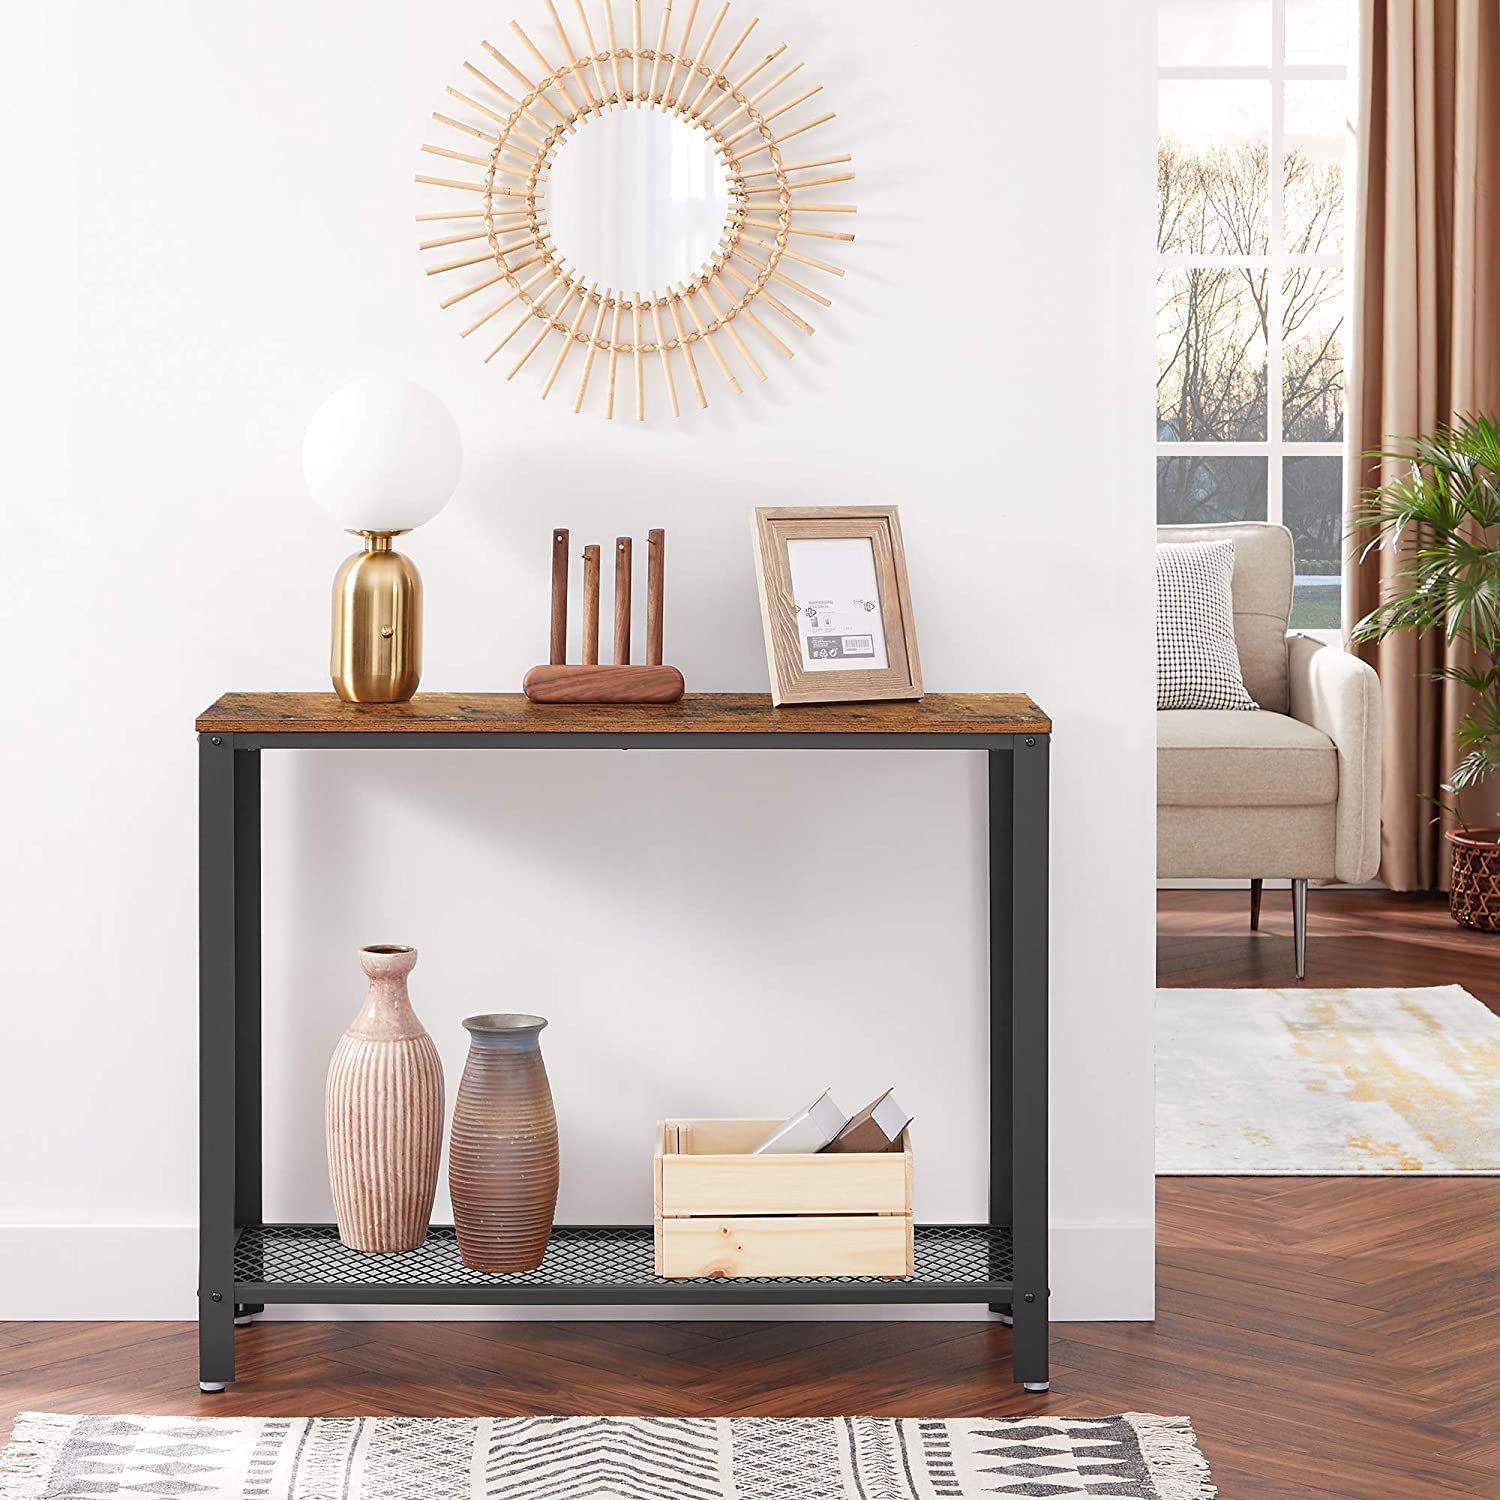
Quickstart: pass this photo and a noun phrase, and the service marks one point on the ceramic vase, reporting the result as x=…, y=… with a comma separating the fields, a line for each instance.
x=384, y=1113
x=502, y=1155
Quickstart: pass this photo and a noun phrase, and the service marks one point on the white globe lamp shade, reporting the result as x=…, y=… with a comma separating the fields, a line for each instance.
x=382, y=455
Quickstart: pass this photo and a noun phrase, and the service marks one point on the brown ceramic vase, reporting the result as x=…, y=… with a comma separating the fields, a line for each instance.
x=384, y=1113
x=502, y=1155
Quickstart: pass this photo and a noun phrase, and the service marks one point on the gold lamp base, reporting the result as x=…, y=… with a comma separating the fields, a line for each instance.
x=377, y=624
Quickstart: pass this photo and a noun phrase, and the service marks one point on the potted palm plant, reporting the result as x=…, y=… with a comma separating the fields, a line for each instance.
x=1442, y=517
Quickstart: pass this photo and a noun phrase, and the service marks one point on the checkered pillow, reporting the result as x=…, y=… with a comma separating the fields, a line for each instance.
x=1197, y=662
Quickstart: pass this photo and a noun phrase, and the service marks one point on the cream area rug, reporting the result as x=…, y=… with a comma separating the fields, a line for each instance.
x=1131, y=1457
x=1326, y=1083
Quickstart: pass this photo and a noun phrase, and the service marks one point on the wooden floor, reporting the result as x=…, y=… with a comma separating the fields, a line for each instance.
x=1328, y=1337
x=1354, y=938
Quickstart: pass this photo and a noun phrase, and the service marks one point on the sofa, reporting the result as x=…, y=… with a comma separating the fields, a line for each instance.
x=1289, y=792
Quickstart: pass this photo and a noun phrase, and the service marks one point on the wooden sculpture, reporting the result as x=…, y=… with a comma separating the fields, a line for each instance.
x=591, y=681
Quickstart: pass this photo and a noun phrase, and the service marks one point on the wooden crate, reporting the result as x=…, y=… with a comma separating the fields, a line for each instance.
x=723, y=1212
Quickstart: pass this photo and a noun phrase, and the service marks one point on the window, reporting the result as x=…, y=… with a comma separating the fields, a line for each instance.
x=1250, y=315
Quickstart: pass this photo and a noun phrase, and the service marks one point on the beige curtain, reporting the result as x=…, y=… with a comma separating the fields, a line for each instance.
x=1426, y=341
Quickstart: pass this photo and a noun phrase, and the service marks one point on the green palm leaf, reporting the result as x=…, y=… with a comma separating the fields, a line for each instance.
x=1439, y=516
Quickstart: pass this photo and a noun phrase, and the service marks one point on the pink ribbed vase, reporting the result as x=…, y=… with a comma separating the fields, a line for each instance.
x=502, y=1155
x=384, y=1113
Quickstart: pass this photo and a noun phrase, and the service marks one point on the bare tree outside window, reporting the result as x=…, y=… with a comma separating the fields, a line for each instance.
x=1250, y=299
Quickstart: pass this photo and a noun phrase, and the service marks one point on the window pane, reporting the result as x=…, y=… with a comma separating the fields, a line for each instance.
x=1235, y=33
x=1212, y=168
x=1211, y=356
x=1193, y=491
x=1312, y=505
x=1319, y=31
x=1312, y=354
x=1314, y=195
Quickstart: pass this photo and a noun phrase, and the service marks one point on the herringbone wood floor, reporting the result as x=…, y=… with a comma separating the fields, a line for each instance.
x=1329, y=1338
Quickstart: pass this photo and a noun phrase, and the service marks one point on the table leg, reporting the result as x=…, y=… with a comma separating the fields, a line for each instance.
x=1002, y=883
x=228, y=1035
x=247, y=1028
x=1018, y=1036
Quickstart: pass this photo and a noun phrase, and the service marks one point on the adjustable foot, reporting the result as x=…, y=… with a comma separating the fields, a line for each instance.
x=244, y=1320
x=1036, y=1385
x=210, y=1387
x=1028, y=1341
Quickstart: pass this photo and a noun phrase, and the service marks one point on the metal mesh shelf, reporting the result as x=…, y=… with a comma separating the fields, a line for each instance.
x=593, y=1263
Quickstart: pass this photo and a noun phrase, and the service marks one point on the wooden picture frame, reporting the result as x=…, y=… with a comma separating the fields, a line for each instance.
x=808, y=666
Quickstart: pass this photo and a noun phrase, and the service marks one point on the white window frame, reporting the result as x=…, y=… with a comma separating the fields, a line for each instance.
x=1277, y=73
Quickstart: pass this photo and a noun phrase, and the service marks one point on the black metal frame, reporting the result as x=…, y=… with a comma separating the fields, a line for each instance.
x=1013, y=1281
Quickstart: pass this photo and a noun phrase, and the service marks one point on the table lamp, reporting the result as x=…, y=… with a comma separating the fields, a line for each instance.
x=380, y=457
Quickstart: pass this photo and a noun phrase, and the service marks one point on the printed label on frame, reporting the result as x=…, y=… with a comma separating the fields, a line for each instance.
x=837, y=602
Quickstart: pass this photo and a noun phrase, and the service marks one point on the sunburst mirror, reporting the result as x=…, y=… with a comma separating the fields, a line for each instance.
x=635, y=198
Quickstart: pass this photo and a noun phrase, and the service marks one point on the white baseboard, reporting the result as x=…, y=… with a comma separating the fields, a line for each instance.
x=1100, y=1272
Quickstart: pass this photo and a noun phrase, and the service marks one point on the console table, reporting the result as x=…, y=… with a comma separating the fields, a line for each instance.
x=245, y=1263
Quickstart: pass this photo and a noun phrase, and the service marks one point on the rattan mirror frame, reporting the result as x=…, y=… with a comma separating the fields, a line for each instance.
x=513, y=239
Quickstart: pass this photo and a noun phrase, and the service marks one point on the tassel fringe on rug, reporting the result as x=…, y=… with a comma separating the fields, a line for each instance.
x=1130, y=1457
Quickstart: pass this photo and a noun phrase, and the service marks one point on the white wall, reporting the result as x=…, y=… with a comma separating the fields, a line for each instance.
x=220, y=205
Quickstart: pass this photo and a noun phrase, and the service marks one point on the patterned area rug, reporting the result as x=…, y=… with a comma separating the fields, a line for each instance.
x=1326, y=1083
x=1131, y=1457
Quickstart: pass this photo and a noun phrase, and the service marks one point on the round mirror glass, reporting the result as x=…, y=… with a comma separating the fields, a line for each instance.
x=636, y=200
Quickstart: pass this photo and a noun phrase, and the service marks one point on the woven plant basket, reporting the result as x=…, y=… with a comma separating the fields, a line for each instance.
x=1474, y=898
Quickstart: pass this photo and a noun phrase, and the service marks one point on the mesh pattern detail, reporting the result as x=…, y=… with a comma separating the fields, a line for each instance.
x=613, y=1256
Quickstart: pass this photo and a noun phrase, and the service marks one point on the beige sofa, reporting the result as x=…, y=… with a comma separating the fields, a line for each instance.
x=1292, y=791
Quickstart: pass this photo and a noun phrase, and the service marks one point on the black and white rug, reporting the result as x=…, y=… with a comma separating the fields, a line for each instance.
x=1131, y=1457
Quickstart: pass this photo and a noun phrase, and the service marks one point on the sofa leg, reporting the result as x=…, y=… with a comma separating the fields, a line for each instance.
x=1299, y=925
x=1255, y=886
